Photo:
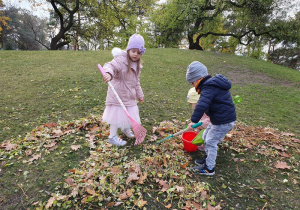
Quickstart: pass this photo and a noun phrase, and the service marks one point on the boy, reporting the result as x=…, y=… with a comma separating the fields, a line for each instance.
x=215, y=101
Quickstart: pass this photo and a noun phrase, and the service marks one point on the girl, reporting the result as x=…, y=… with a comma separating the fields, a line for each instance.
x=124, y=73
x=192, y=98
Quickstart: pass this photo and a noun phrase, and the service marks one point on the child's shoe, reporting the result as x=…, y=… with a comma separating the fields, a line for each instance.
x=204, y=170
x=115, y=140
x=200, y=162
x=128, y=132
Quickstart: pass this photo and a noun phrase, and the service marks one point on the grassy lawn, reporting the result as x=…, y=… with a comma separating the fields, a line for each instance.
x=66, y=88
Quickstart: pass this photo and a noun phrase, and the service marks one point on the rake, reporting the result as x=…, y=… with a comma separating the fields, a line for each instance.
x=138, y=130
x=179, y=132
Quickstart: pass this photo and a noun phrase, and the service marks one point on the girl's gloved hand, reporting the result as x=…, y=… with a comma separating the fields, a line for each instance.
x=107, y=77
x=190, y=126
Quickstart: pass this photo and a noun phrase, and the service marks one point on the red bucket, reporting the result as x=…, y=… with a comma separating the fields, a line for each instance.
x=187, y=138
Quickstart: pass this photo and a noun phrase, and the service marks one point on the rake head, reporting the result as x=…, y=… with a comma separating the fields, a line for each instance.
x=139, y=132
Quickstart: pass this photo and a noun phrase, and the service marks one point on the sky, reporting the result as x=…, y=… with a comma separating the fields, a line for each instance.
x=41, y=11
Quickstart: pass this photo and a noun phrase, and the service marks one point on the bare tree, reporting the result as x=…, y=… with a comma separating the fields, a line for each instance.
x=65, y=12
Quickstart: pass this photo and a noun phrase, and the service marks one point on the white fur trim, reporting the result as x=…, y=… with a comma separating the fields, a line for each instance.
x=116, y=51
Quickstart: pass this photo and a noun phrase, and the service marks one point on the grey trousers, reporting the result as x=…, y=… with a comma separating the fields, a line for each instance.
x=213, y=135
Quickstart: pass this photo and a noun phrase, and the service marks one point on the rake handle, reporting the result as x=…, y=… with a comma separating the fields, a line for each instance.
x=193, y=126
x=114, y=91
x=180, y=132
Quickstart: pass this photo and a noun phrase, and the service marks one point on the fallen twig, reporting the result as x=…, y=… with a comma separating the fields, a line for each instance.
x=22, y=190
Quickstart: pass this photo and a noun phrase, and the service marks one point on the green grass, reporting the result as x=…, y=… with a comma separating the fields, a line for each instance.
x=59, y=86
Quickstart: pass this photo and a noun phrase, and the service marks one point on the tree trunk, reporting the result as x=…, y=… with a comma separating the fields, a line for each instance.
x=194, y=45
x=75, y=47
x=65, y=24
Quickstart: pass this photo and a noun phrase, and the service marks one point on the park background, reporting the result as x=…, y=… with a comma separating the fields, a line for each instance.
x=54, y=152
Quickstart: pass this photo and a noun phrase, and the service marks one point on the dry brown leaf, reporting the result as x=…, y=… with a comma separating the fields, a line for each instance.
x=89, y=174
x=283, y=154
x=154, y=129
x=133, y=176
x=74, y=192
x=35, y=203
x=95, y=129
x=10, y=146
x=118, y=203
x=102, y=179
x=278, y=147
x=203, y=194
x=135, y=168
x=282, y=165
x=142, y=178
x=218, y=207
x=116, y=181
x=153, y=138
x=187, y=205
x=28, y=152
x=168, y=206
x=179, y=189
x=75, y=147
x=123, y=196
x=165, y=162
x=164, y=185
x=50, y=202
x=35, y=157
x=105, y=165
x=90, y=191
x=210, y=207
x=50, y=145
x=196, y=205
x=161, y=133
x=140, y=203
x=184, y=165
x=110, y=204
x=72, y=170
x=69, y=181
x=296, y=140
x=287, y=134
x=50, y=125
x=129, y=192
x=115, y=170
x=90, y=138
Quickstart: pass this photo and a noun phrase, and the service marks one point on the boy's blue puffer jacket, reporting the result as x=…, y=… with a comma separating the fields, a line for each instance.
x=215, y=100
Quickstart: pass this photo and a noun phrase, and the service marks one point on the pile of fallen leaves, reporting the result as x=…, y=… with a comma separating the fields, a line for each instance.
x=114, y=176
x=267, y=141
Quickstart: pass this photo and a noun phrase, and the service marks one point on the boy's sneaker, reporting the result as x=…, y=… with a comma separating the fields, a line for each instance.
x=204, y=170
x=128, y=133
x=117, y=141
x=200, y=162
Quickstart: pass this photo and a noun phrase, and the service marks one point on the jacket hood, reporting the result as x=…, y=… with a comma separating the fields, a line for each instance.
x=219, y=81
x=117, y=52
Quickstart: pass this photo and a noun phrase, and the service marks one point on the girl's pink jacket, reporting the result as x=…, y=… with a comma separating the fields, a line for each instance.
x=126, y=84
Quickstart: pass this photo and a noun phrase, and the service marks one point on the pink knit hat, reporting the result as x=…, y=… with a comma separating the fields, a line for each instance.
x=136, y=41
